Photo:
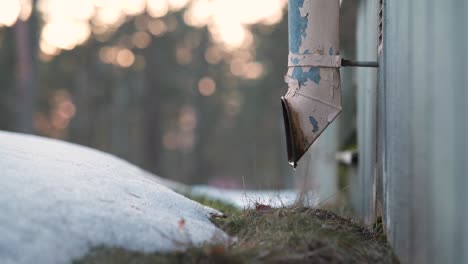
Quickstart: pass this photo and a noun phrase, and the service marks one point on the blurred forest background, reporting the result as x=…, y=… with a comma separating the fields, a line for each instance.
x=187, y=89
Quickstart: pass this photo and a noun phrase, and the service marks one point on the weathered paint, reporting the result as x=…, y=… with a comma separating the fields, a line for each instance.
x=313, y=76
x=297, y=25
x=318, y=170
x=295, y=60
x=315, y=60
x=314, y=123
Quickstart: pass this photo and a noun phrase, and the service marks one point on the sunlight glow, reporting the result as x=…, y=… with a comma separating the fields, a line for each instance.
x=48, y=48
x=68, y=23
x=157, y=8
x=26, y=9
x=66, y=9
x=133, y=7
x=65, y=34
x=9, y=12
x=229, y=21
x=108, y=16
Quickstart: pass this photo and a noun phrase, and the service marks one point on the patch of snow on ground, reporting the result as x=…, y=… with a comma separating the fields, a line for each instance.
x=59, y=200
x=248, y=198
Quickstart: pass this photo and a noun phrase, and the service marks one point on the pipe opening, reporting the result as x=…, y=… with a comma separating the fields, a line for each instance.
x=289, y=134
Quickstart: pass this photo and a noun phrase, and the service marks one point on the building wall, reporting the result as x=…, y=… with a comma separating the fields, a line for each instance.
x=413, y=115
x=366, y=110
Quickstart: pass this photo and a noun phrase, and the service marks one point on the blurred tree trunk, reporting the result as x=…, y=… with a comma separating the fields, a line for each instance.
x=81, y=125
x=25, y=76
x=152, y=111
x=120, y=108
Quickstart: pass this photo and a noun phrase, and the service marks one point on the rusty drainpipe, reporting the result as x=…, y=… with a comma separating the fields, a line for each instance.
x=313, y=99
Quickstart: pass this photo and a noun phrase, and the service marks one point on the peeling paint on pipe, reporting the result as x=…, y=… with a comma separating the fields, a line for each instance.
x=313, y=99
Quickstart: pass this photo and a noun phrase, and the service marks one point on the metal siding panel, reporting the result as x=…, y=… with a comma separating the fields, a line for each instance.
x=398, y=139
x=459, y=27
x=367, y=84
x=458, y=71
x=357, y=190
x=463, y=154
x=426, y=128
x=420, y=45
x=442, y=126
x=422, y=127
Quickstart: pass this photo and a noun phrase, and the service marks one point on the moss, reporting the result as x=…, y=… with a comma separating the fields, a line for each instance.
x=301, y=234
x=267, y=235
x=225, y=208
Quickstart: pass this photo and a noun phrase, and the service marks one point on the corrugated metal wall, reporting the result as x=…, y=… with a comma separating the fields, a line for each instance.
x=366, y=110
x=416, y=123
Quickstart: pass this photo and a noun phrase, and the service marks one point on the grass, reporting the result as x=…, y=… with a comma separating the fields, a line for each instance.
x=226, y=208
x=268, y=235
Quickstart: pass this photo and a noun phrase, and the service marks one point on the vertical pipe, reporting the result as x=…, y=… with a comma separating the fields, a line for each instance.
x=313, y=99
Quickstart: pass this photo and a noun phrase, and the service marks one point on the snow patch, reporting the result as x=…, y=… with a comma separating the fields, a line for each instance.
x=59, y=200
x=248, y=198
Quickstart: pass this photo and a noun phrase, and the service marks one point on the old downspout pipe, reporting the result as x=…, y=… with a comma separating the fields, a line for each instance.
x=313, y=99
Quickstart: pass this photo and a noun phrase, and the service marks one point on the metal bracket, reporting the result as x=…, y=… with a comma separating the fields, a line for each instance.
x=314, y=60
x=350, y=63
x=326, y=61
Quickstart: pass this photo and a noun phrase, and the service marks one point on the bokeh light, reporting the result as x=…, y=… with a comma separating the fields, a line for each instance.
x=182, y=137
x=157, y=27
x=213, y=55
x=67, y=23
x=141, y=39
x=207, y=86
x=55, y=122
x=26, y=9
x=125, y=58
x=9, y=12
x=183, y=55
x=229, y=21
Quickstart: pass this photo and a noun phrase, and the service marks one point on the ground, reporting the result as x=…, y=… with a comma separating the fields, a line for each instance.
x=61, y=203
x=273, y=235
